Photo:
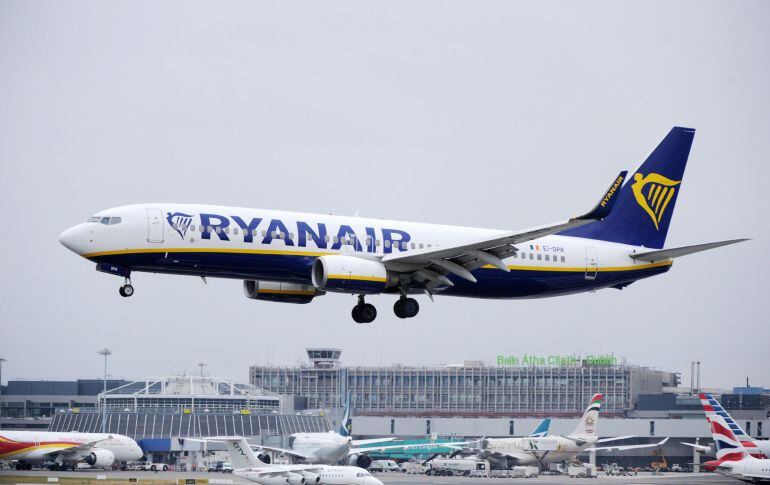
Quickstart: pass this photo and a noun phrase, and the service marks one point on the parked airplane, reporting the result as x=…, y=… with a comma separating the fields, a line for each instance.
x=65, y=450
x=755, y=448
x=732, y=458
x=553, y=449
x=246, y=464
x=294, y=257
x=433, y=447
x=334, y=447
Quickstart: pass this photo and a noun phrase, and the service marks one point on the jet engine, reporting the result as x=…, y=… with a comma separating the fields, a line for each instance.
x=264, y=458
x=271, y=480
x=310, y=477
x=349, y=274
x=99, y=458
x=361, y=461
x=295, y=479
x=279, y=292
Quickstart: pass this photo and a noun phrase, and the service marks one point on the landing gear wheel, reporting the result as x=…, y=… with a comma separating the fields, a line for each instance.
x=364, y=313
x=126, y=290
x=406, y=308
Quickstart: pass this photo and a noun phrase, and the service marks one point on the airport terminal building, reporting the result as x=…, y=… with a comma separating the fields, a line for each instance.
x=469, y=389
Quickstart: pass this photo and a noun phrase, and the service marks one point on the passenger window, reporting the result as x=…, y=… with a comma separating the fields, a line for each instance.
x=562, y=259
x=430, y=245
x=327, y=238
x=227, y=230
x=291, y=235
x=539, y=257
x=235, y=231
x=192, y=227
x=335, y=239
x=254, y=232
x=272, y=234
x=547, y=257
x=387, y=243
x=420, y=245
x=264, y=233
x=377, y=242
x=219, y=229
x=413, y=246
x=531, y=256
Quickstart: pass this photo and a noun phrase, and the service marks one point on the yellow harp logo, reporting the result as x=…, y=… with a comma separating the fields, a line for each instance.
x=653, y=192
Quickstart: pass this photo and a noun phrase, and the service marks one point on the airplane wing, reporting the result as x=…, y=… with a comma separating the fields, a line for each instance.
x=82, y=448
x=431, y=265
x=362, y=451
x=626, y=447
x=372, y=441
x=281, y=450
x=662, y=254
x=614, y=438
x=698, y=448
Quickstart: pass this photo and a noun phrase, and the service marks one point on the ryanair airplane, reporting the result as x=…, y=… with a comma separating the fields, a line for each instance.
x=294, y=257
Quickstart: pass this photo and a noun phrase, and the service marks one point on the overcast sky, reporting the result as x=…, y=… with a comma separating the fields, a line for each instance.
x=491, y=114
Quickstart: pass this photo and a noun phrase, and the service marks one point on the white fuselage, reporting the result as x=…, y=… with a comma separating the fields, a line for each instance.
x=533, y=451
x=328, y=447
x=40, y=446
x=326, y=475
x=233, y=242
x=749, y=470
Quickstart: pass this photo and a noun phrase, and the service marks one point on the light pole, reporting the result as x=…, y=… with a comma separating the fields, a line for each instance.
x=1, y=386
x=105, y=352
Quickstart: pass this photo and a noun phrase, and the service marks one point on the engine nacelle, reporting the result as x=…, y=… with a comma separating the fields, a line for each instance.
x=264, y=458
x=271, y=480
x=99, y=458
x=279, y=292
x=310, y=477
x=295, y=479
x=349, y=274
x=361, y=461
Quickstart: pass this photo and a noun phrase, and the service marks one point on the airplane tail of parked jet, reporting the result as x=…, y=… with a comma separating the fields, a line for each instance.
x=587, y=424
x=712, y=407
x=542, y=429
x=645, y=204
x=728, y=446
x=345, y=423
x=240, y=452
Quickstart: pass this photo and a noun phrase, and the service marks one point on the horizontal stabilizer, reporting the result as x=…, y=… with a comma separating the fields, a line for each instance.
x=662, y=254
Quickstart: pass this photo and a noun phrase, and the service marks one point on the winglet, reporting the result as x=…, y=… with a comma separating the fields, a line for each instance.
x=607, y=202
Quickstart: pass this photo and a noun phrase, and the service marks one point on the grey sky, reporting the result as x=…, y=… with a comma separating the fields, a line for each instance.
x=492, y=114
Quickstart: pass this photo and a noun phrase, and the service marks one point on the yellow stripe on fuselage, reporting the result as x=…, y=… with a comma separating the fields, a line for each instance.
x=357, y=278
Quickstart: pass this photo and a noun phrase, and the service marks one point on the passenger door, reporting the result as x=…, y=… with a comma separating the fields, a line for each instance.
x=154, y=226
x=592, y=262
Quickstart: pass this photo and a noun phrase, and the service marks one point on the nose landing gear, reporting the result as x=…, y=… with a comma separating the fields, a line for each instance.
x=364, y=312
x=406, y=307
x=126, y=290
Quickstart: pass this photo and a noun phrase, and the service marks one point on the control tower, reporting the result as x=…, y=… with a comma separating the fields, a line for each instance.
x=324, y=357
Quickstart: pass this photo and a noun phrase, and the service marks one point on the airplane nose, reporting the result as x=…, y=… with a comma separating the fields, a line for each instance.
x=372, y=481
x=74, y=239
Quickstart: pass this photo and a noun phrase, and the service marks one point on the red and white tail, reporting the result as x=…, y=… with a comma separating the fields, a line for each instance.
x=728, y=446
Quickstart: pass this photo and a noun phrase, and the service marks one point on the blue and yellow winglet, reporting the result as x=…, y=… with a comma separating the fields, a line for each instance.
x=607, y=202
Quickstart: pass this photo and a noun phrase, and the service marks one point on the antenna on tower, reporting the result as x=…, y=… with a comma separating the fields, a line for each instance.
x=202, y=365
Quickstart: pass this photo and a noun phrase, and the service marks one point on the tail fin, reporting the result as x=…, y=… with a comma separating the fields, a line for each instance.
x=587, y=424
x=646, y=203
x=728, y=446
x=712, y=407
x=542, y=428
x=241, y=454
x=345, y=423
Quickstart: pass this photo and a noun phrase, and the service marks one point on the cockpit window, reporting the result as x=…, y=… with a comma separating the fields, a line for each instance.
x=107, y=221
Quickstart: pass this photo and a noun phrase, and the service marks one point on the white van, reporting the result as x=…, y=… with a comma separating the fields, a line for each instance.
x=467, y=467
x=384, y=466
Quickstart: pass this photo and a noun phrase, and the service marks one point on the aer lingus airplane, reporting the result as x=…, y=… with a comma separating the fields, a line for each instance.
x=294, y=257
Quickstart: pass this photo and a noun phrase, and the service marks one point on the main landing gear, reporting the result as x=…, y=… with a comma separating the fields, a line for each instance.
x=364, y=312
x=406, y=307
x=126, y=290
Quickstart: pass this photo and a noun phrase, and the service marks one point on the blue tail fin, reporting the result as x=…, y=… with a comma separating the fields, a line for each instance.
x=646, y=202
x=345, y=422
x=542, y=429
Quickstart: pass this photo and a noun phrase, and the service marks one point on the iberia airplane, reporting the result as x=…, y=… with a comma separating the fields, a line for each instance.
x=294, y=257
x=66, y=449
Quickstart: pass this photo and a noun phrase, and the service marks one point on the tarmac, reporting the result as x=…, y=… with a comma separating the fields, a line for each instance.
x=22, y=477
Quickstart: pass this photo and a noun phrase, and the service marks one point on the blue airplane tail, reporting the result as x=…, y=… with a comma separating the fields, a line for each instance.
x=542, y=428
x=645, y=204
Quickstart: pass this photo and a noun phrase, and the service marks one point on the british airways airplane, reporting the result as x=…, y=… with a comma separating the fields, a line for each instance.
x=294, y=257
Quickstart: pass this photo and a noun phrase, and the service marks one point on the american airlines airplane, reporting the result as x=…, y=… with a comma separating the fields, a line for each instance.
x=65, y=450
x=294, y=257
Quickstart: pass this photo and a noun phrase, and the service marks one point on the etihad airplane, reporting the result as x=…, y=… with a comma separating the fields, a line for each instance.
x=247, y=465
x=65, y=450
x=732, y=458
x=541, y=451
x=294, y=257
x=755, y=448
